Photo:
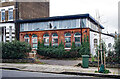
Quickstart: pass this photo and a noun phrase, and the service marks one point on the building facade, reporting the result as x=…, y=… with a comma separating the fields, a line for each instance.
x=11, y=11
x=68, y=29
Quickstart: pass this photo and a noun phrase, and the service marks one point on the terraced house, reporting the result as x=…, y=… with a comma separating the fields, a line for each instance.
x=68, y=29
x=11, y=11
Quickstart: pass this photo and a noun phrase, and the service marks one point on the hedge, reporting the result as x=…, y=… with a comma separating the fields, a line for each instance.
x=60, y=52
x=15, y=50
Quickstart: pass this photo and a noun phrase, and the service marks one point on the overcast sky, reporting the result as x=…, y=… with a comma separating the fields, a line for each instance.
x=107, y=9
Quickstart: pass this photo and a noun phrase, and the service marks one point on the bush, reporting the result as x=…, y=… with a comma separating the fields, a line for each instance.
x=60, y=52
x=114, y=56
x=15, y=50
x=117, y=50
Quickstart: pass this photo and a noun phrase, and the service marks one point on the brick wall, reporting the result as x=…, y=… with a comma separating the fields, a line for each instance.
x=59, y=32
x=30, y=10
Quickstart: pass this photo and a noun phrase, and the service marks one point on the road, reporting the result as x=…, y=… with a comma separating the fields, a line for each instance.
x=13, y=74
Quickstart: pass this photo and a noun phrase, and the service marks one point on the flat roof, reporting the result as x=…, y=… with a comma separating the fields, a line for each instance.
x=56, y=18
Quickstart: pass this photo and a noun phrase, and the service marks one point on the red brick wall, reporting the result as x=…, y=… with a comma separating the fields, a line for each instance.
x=59, y=32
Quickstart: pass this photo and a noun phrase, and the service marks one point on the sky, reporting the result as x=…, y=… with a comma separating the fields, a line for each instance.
x=106, y=9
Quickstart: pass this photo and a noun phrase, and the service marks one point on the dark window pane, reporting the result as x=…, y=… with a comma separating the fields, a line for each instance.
x=55, y=44
x=77, y=44
x=34, y=40
x=26, y=36
x=46, y=40
x=34, y=35
x=27, y=40
x=67, y=45
x=55, y=40
x=77, y=39
x=77, y=34
x=67, y=34
x=68, y=40
x=54, y=34
x=10, y=14
x=46, y=35
x=109, y=45
x=35, y=46
x=95, y=40
x=3, y=16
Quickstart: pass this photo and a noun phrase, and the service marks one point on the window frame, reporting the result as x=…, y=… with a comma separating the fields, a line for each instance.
x=95, y=43
x=65, y=39
x=77, y=36
x=10, y=10
x=46, y=37
x=34, y=43
x=54, y=37
x=3, y=10
x=28, y=38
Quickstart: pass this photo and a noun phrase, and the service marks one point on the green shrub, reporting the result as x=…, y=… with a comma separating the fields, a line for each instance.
x=117, y=50
x=107, y=71
x=93, y=59
x=60, y=52
x=15, y=50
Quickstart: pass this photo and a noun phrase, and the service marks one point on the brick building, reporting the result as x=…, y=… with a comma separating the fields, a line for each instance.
x=11, y=11
x=63, y=28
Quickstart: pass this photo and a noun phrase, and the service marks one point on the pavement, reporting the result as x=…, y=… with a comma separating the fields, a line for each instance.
x=61, y=62
x=59, y=69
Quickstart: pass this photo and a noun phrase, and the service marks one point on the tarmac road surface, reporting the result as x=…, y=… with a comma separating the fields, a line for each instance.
x=13, y=74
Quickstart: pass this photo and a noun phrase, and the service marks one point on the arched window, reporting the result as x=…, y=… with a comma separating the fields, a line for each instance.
x=55, y=39
x=67, y=40
x=109, y=45
x=77, y=38
x=34, y=41
x=46, y=39
x=95, y=43
x=26, y=38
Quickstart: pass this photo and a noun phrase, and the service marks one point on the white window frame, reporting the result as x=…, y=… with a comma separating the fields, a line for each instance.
x=77, y=36
x=54, y=37
x=34, y=42
x=10, y=9
x=46, y=38
x=65, y=39
x=3, y=10
x=10, y=33
x=28, y=38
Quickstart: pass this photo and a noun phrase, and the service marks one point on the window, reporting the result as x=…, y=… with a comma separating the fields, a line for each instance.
x=3, y=15
x=10, y=33
x=46, y=39
x=54, y=39
x=82, y=23
x=95, y=43
x=77, y=38
x=34, y=41
x=26, y=38
x=67, y=40
x=109, y=45
x=10, y=14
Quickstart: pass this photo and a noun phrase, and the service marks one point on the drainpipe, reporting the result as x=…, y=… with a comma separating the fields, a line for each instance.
x=16, y=18
x=81, y=30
